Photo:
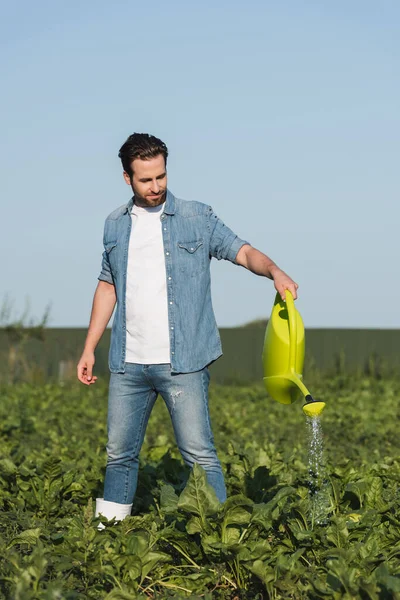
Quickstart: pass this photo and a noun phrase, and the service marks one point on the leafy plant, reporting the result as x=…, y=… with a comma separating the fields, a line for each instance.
x=180, y=541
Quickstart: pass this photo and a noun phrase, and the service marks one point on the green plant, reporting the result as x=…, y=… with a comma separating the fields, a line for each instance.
x=180, y=542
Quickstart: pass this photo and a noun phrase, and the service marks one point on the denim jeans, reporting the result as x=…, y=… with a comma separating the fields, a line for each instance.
x=131, y=398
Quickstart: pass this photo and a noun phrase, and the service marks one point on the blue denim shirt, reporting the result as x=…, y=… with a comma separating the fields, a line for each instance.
x=192, y=235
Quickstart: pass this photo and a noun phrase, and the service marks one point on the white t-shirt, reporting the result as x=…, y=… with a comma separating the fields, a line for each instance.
x=147, y=328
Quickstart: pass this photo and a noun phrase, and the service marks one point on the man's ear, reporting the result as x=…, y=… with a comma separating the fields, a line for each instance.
x=127, y=178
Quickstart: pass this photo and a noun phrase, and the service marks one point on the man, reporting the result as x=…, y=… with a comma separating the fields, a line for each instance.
x=156, y=270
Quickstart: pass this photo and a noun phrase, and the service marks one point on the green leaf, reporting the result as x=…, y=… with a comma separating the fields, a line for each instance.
x=305, y=536
x=235, y=501
x=29, y=536
x=151, y=560
x=199, y=498
x=342, y=575
x=212, y=544
x=389, y=582
x=263, y=571
x=231, y=535
x=133, y=566
x=194, y=526
x=7, y=467
x=120, y=593
x=337, y=532
x=264, y=514
x=138, y=543
x=52, y=467
x=373, y=496
x=280, y=497
x=168, y=499
x=238, y=515
x=286, y=562
x=255, y=550
x=357, y=488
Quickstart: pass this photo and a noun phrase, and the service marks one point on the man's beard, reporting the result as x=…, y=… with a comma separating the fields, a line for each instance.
x=140, y=200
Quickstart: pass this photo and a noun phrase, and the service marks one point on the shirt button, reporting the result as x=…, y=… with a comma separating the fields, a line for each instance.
x=170, y=278
x=192, y=249
x=171, y=327
x=167, y=253
x=173, y=352
x=165, y=229
x=171, y=302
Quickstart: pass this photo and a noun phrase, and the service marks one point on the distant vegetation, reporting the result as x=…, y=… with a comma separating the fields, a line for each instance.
x=19, y=331
x=256, y=323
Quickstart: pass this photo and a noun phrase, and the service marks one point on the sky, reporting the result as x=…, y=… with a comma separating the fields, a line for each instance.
x=283, y=116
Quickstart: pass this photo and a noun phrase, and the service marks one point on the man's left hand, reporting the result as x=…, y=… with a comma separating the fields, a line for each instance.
x=283, y=282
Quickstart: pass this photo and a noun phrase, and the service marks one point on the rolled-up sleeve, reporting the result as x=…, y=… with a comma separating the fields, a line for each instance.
x=105, y=274
x=224, y=243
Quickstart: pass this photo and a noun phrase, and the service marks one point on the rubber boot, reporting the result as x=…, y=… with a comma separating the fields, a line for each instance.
x=111, y=510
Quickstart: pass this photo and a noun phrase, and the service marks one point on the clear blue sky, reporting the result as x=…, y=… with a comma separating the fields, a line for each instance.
x=284, y=116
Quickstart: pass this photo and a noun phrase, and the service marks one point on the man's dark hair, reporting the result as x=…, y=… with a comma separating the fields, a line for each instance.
x=143, y=146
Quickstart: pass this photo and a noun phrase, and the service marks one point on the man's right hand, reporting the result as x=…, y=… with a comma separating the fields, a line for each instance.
x=85, y=368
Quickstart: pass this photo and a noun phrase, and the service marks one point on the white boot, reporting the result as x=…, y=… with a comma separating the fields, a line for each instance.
x=111, y=510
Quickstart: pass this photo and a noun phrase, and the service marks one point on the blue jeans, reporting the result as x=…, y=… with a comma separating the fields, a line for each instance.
x=131, y=398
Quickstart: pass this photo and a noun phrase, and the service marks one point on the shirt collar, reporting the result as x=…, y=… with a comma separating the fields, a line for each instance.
x=169, y=208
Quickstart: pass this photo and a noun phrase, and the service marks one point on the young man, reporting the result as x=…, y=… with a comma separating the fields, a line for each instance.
x=156, y=270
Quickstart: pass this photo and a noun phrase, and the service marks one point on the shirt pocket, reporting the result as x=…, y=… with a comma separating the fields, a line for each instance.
x=191, y=257
x=111, y=249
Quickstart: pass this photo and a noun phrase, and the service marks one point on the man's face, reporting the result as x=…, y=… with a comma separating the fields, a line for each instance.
x=149, y=181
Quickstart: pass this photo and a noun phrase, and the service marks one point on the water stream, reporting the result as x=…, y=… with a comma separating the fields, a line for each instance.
x=317, y=473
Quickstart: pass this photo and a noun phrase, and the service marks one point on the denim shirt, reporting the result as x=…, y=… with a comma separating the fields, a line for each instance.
x=192, y=235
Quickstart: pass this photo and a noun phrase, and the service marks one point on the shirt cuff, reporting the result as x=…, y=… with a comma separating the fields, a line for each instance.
x=105, y=277
x=235, y=247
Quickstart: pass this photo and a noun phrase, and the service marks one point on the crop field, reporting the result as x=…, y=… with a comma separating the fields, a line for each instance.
x=283, y=532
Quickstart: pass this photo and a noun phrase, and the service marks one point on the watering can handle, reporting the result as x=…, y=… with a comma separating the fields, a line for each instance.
x=292, y=330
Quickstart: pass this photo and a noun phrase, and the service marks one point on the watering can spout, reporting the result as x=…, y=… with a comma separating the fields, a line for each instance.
x=312, y=407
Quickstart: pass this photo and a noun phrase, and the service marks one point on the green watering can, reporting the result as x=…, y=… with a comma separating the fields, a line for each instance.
x=283, y=356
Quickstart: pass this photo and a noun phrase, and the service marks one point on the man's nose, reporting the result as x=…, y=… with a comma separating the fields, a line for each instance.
x=155, y=187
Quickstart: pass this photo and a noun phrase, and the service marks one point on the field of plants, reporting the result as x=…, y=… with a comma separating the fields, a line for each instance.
x=264, y=542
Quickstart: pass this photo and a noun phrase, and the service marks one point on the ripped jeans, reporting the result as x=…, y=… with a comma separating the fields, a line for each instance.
x=131, y=398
